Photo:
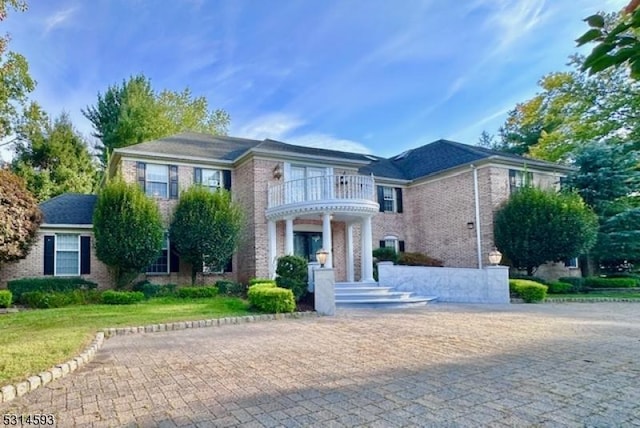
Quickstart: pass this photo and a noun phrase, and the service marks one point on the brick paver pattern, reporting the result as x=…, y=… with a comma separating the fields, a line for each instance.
x=441, y=365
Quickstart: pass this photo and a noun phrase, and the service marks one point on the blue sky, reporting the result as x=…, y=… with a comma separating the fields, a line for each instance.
x=376, y=76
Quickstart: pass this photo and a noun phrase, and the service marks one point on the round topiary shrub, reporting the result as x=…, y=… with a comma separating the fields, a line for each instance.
x=292, y=273
x=5, y=298
x=529, y=291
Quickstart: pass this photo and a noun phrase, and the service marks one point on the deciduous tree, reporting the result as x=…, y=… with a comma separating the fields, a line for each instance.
x=20, y=217
x=205, y=228
x=537, y=226
x=128, y=230
x=133, y=112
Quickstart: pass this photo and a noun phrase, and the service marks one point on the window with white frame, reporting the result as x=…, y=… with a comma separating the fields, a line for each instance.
x=161, y=265
x=519, y=179
x=157, y=180
x=392, y=242
x=67, y=261
x=388, y=199
x=571, y=263
x=212, y=179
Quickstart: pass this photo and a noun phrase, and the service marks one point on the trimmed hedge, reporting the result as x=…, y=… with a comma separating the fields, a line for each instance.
x=231, y=288
x=576, y=282
x=197, y=292
x=256, y=281
x=47, y=285
x=529, y=291
x=600, y=282
x=385, y=254
x=112, y=297
x=531, y=278
x=560, y=287
x=5, y=298
x=154, y=290
x=418, y=259
x=54, y=299
x=271, y=299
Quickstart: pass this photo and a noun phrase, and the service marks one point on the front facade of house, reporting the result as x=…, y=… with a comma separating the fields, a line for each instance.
x=438, y=199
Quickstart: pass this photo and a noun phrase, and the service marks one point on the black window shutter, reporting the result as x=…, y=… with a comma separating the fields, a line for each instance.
x=49, y=254
x=85, y=255
x=173, y=181
x=381, y=198
x=398, y=199
x=141, y=168
x=381, y=244
x=229, y=266
x=226, y=179
x=174, y=259
x=197, y=175
x=401, y=246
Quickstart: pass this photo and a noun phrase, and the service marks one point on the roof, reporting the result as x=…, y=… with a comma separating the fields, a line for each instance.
x=420, y=162
x=69, y=208
x=439, y=156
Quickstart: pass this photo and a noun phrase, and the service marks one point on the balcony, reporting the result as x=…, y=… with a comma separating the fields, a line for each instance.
x=347, y=194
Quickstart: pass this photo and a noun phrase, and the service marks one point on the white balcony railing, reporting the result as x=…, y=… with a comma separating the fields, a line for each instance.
x=324, y=188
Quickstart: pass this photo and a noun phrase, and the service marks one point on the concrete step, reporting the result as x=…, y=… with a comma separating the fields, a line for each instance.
x=401, y=295
x=385, y=303
x=371, y=290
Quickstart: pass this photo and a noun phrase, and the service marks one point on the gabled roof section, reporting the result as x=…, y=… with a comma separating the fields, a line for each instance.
x=194, y=144
x=69, y=208
x=279, y=146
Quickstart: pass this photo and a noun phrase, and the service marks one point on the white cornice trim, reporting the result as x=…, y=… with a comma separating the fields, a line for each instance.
x=66, y=226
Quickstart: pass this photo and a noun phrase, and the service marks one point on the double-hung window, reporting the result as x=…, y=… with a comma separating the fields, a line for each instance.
x=157, y=180
x=212, y=179
x=161, y=265
x=390, y=199
x=519, y=179
x=67, y=261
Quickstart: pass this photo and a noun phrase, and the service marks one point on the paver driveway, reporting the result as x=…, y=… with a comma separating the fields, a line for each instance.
x=441, y=365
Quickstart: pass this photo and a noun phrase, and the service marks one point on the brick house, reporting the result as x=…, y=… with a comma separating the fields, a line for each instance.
x=437, y=199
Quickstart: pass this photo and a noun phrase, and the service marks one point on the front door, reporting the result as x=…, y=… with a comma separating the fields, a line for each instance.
x=305, y=244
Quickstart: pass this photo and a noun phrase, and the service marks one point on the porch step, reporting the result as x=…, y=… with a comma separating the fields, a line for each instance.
x=369, y=295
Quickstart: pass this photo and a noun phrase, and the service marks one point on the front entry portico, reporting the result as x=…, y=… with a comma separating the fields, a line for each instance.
x=341, y=204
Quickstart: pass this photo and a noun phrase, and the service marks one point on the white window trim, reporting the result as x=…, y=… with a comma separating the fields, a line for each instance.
x=572, y=265
x=147, y=181
x=55, y=256
x=396, y=242
x=393, y=199
x=220, y=178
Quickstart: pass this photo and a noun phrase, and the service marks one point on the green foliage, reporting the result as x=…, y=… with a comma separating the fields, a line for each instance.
x=271, y=299
x=255, y=281
x=112, y=297
x=128, y=230
x=292, y=273
x=15, y=81
x=418, y=259
x=133, y=112
x=52, y=157
x=385, y=254
x=5, y=298
x=559, y=287
x=231, y=288
x=616, y=47
x=529, y=278
x=537, y=226
x=529, y=291
x=602, y=282
x=154, y=290
x=197, y=292
x=577, y=283
x=60, y=299
x=20, y=217
x=47, y=285
x=206, y=228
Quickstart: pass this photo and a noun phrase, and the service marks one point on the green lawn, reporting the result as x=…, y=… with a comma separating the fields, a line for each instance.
x=35, y=340
x=595, y=295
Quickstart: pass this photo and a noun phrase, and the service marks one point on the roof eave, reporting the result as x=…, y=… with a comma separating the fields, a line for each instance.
x=278, y=154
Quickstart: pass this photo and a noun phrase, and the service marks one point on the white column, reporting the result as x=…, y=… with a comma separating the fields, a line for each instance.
x=367, y=249
x=326, y=239
x=288, y=236
x=273, y=248
x=350, y=258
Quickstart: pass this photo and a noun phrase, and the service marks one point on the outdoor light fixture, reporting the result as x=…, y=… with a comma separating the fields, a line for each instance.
x=495, y=256
x=321, y=256
x=277, y=172
x=470, y=225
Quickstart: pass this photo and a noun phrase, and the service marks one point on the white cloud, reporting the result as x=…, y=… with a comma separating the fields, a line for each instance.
x=286, y=128
x=58, y=19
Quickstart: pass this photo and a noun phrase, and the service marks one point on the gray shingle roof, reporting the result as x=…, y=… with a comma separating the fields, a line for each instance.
x=69, y=208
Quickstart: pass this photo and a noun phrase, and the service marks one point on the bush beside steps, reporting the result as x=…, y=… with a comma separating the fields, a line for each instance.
x=272, y=299
x=529, y=291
